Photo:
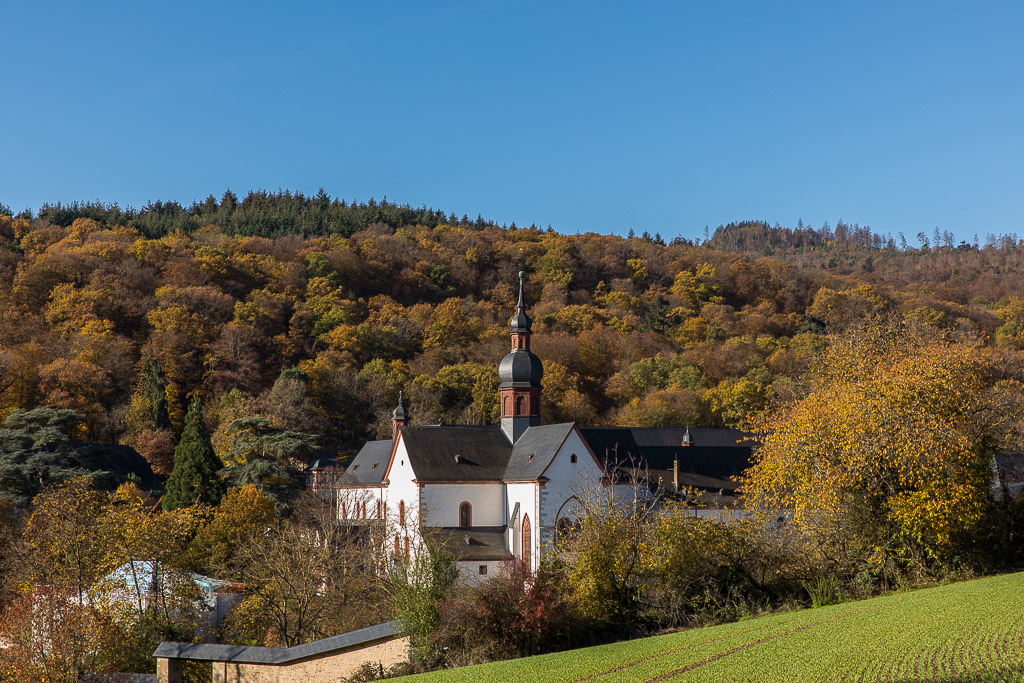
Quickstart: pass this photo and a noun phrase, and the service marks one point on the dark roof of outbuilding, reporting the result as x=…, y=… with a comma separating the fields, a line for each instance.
x=457, y=453
x=474, y=543
x=369, y=464
x=542, y=443
x=322, y=463
x=246, y=654
x=1010, y=466
x=692, y=480
x=1010, y=473
x=717, y=453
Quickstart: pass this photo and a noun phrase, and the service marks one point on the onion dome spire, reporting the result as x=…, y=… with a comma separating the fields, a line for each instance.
x=400, y=413
x=521, y=322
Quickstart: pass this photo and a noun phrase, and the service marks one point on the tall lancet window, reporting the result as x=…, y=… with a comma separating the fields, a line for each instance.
x=465, y=515
x=527, y=542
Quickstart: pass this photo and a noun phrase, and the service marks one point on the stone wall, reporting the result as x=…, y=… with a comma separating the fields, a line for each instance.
x=328, y=659
x=333, y=667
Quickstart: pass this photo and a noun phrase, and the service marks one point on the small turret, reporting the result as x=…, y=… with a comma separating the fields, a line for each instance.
x=399, y=417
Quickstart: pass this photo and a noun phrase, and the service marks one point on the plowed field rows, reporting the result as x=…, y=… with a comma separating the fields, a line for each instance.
x=970, y=631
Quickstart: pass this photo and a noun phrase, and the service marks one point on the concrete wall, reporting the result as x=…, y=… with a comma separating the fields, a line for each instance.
x=567, y=479
x=402, y=487
x=441, y=503
x=352, y=500
x=527, y=495
x=470, y=570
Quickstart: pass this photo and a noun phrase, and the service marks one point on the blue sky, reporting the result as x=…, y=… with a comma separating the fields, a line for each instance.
x=584, y=115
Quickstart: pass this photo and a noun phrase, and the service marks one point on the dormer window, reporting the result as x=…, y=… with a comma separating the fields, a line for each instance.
x=529, y=458
x=355, y=467
x=373, y=466
x=458, y=458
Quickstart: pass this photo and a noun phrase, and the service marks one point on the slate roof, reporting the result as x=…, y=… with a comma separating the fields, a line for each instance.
x=540, y=442
x=367, y=468
x=715, y=456
x=715, y=453
x=470, y=544
x=245, y=654
x=483, y=453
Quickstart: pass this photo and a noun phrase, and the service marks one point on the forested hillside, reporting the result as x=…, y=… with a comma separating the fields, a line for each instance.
x=224, y=345
x=313, y=313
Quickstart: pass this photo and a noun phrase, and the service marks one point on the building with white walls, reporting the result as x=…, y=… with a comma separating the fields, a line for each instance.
x=494, y=493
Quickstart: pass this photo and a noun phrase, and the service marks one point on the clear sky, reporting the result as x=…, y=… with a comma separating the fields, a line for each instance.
x=584, y=115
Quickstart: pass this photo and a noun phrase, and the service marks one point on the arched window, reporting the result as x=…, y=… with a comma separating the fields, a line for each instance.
x=519, y=406
x=407, y=549
x=343, y=511
x=508, y=406
x=527, y=542
x=398, y=546
x=378, y=508
x=465, y=514
x=572, y=458
x=401, y=513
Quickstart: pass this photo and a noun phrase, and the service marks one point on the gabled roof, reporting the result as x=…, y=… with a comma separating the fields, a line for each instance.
x=368, y=467
x=456, y=453
x=542, y=443
x=716, y=453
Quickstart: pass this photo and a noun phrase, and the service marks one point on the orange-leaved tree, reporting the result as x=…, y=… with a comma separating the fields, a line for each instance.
x=888, y=456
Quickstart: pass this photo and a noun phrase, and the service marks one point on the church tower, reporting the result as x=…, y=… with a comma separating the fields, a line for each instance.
x=520, y=373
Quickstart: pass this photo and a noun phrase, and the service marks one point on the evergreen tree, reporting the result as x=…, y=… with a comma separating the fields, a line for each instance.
x=154, y=388
x=194, y=477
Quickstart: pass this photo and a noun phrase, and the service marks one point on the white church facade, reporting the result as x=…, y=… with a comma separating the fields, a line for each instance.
x=496, y=493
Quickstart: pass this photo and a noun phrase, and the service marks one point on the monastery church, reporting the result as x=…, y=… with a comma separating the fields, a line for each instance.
x=493, y=493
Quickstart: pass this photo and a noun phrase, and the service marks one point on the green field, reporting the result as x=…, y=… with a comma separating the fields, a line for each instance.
x=970, y=631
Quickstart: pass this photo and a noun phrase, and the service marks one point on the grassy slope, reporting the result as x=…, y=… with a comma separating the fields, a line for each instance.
x=967, y=631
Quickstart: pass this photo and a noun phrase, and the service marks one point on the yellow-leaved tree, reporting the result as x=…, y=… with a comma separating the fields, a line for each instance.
x=888, y=456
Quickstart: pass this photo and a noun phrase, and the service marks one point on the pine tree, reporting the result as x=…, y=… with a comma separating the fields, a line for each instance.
x=154, y=387
x=194, y=478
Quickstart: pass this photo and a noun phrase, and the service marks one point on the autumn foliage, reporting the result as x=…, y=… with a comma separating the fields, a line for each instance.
x=889, y=452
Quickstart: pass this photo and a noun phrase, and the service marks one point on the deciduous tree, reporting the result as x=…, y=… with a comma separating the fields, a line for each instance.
x=889, y=454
